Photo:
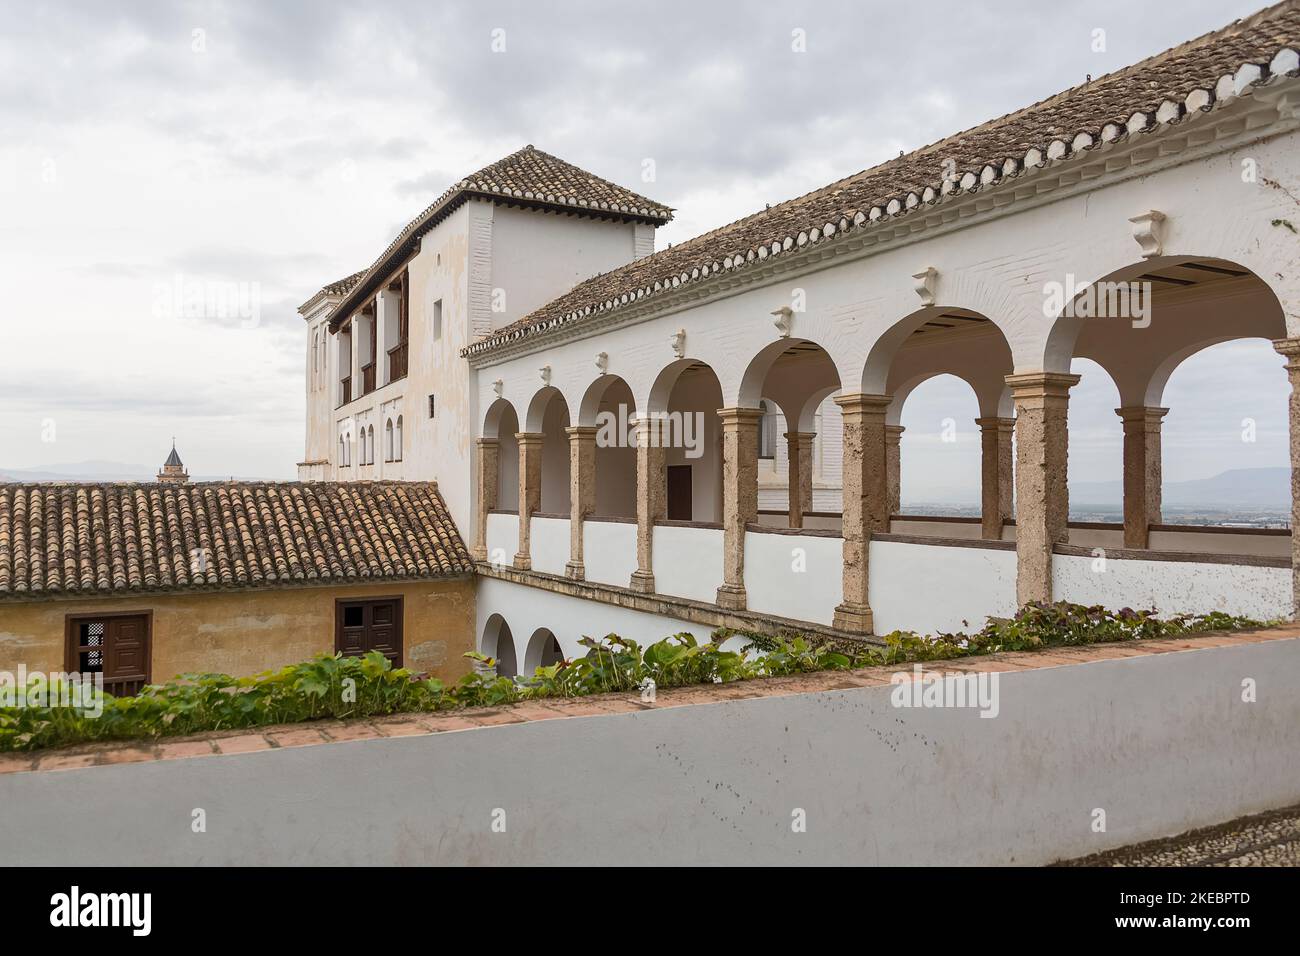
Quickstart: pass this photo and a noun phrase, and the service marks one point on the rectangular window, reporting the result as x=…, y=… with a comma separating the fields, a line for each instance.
x=437, y=320
x=432, y=406
x=115, y=645
x=364, y=626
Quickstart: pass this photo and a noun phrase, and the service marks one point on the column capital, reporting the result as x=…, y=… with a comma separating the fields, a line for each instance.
x=894, y=432
x=739, y=415
x=486, y=442
x=1031, y=384
x=1288, y=347
x=863, y=404
x=1144, y=414
x=581, y=431
x=530, y=438
x=995, y=421
x=798, y=436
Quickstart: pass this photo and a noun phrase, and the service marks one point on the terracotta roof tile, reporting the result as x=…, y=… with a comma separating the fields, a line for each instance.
x=1139, y=98
x=101, y=539
x=527, y=176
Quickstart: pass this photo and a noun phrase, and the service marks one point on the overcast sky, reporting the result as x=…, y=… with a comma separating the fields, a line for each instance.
x=148, y=147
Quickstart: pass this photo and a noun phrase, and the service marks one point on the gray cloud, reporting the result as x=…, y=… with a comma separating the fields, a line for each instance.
x=283, y=94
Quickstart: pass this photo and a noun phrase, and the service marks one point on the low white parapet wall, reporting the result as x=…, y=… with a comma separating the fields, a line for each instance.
x=502, y=537
x=1175, y=585
x=1080, y=758
x=609, y=550
x=940, y=587
x=549, y=543
x=688, y=561
x=794, y=575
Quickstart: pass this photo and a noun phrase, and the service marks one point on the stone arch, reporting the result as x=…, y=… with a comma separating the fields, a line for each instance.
x=543, y=650
x=1102, y=319
x=498, y=642
x=685, y=398
x=502, y=423
x=548, y=415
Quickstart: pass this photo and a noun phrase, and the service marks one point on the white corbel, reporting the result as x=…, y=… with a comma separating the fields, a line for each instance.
x=1148, y=230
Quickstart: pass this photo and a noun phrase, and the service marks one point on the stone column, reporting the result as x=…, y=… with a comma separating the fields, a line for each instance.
x=1291, y=349
x=866, y=501
x=1141, y=472
x=739, y=498
x=894, y=464
x=489, y=474
x=651, y=500
x=1042, y=495
x=799, y=446
x=995, y=474
x=530, y=493
x=582, y=492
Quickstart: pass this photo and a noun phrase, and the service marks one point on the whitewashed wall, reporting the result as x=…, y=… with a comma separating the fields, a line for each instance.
x=688, y=562
x=609, y=551
x=934, y=588
x=502, y=538
x=794, y=575
x=526, y=609
x=549, y=543
x=1174, y=586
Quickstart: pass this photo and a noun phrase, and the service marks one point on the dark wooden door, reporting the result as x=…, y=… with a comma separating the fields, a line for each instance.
x=363, y=626
x=680, y=507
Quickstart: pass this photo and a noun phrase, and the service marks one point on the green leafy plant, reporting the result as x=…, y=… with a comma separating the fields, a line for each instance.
x=332, y=686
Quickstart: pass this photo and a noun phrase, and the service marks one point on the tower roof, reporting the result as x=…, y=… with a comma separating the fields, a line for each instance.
x=527, y=177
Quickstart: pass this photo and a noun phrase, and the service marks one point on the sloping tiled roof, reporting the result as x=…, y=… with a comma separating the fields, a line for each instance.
x=1140, y=98
x=174, y=459
x=117, y=538
x=527, y=176
x=335, y=289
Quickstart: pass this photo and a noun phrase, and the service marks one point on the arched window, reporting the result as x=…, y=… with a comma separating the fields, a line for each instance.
x=315, y=350
x=388, y=441
x=370, y=441
x=398, y=445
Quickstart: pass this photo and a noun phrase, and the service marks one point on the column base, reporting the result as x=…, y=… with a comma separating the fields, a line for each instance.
x=853, y=618
x=479, y=553
x=732, y=597
x=1137, y=539
x=523, y=562
x=643, y=581
x=576, y=570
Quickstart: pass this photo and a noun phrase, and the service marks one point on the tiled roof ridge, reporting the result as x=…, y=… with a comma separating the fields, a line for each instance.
x=66, y=539
x=485, y=181
x=338, y=287
x=591, y=296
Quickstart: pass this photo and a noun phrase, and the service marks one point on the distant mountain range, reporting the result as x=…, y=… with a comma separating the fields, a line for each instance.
x=90, y=471
x=1238, y=489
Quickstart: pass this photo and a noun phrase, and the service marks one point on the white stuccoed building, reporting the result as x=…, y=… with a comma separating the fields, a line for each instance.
x=1133, y=220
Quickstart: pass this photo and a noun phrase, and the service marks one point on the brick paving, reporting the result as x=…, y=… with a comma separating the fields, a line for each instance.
x=1266, y=839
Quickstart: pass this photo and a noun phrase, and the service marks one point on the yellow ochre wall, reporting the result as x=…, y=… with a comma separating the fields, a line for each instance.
x=243, y=632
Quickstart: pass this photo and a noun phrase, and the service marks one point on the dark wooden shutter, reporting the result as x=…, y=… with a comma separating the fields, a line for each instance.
x=363, y=626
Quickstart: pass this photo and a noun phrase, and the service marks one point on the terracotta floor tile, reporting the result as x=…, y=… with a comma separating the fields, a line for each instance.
x=136, y=754
x=58, y=761
x=172, y=749
x=297, y=738
x=353, y=730
x=243, y=744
